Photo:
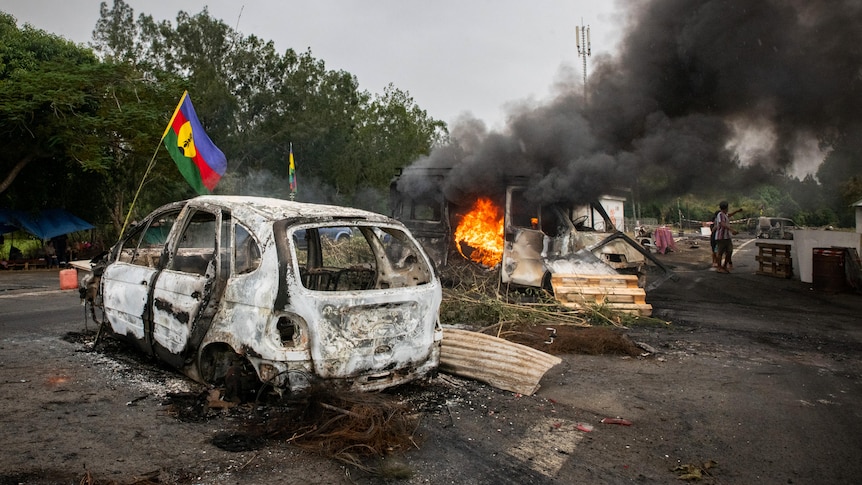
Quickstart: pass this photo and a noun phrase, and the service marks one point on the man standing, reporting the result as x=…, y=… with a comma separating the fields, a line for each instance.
x=712, y=247
x=60, y=249
x=723, y=241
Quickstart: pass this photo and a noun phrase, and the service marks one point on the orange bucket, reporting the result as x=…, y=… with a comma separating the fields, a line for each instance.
x=68, y=279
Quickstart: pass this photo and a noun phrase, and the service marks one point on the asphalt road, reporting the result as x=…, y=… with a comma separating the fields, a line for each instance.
x=760, y=376
x=32, y=302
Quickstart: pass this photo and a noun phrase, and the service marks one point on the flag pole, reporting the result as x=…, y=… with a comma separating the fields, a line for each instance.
x=138, y=192
x=291, y=174
x=150, y=165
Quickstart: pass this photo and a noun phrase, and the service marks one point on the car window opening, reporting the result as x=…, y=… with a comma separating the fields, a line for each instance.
x=246, y=251
x=196, y=249
x=145, y=244
x=357, y=258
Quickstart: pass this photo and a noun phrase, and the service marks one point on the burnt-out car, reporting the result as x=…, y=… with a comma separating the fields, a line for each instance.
x=246, y=288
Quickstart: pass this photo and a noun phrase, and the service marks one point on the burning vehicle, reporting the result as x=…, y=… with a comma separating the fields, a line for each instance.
x=533, y=245
x=244, y=291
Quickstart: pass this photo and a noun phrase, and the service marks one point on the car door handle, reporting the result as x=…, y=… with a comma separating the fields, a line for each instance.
x=144, y=282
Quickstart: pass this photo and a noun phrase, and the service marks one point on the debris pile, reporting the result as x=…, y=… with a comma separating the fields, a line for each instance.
x=350, y=427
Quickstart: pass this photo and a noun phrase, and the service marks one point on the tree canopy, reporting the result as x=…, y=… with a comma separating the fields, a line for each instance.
x=72, y=115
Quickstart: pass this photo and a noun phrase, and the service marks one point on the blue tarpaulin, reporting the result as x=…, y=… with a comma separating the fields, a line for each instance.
x=47, y=224
x=9, y=220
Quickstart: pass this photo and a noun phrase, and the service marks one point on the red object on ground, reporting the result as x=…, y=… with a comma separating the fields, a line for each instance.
x=68, y=279
x=664, y=240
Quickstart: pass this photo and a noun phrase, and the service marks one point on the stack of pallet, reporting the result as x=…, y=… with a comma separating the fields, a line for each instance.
x=619, y=292
x=774, y=260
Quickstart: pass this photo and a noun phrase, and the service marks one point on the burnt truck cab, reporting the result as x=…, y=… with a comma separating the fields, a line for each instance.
x=539, y=240
x=220, y=287
x=427, y=214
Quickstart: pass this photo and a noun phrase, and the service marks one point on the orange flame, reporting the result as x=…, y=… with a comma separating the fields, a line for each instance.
x=481, y=230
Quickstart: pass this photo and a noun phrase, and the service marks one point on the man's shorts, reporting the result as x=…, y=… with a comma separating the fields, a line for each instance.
x=724, y=246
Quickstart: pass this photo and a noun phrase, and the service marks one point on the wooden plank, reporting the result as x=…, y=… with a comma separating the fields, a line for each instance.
x=773, y=246
x=769, y=257
x=630, y=281
x=604, y=290
x=640, y=309
x=774, y=259
x=777, y=274
x=619, y=292
x=603, y=297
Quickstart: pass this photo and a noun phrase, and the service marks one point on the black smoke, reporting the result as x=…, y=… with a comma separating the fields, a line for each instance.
x=661, y=115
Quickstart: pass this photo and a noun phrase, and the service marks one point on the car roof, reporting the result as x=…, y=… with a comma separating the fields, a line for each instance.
x=276, y=209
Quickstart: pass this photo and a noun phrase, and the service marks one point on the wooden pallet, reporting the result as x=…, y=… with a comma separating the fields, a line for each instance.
x=774, y=260
x=619, y=292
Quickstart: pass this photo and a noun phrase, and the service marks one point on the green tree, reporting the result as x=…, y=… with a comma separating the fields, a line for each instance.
x=115, y=37
x=256, y=103
x=396, y=132
x=89, y=127
x=839, y=175
x=44, y=82
x=93, y=118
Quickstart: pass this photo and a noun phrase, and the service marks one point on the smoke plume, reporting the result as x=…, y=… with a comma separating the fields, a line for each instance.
x=694, y=82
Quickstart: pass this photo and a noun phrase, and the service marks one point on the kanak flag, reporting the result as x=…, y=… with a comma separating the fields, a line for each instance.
x=198, y=159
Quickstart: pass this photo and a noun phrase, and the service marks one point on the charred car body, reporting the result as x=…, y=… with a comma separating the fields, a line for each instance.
x=772, y=227
x=539, y=241
x=227, y=288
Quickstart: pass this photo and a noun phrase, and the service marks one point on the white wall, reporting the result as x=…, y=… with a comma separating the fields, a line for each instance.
x=804, y=242
x=614, y=207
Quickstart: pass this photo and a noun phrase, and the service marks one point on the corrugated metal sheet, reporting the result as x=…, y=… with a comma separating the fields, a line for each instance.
x=498, y=362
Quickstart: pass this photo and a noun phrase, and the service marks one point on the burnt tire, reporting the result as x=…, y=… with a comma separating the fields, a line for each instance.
x=221, y=366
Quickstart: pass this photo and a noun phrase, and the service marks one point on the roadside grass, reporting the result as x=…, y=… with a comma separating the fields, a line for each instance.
x=29, y=245
x=475, y=297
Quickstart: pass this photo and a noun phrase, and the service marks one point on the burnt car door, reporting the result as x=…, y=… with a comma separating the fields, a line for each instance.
x=128, y=278
x=185, y=286
x=522, y=251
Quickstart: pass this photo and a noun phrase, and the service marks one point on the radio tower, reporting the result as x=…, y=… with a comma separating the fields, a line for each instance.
x=582, y=39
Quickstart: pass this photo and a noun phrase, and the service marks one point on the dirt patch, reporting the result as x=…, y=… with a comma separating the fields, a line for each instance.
x=562, y=339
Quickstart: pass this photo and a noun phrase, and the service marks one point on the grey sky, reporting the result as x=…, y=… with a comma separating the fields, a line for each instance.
x=452, y=56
